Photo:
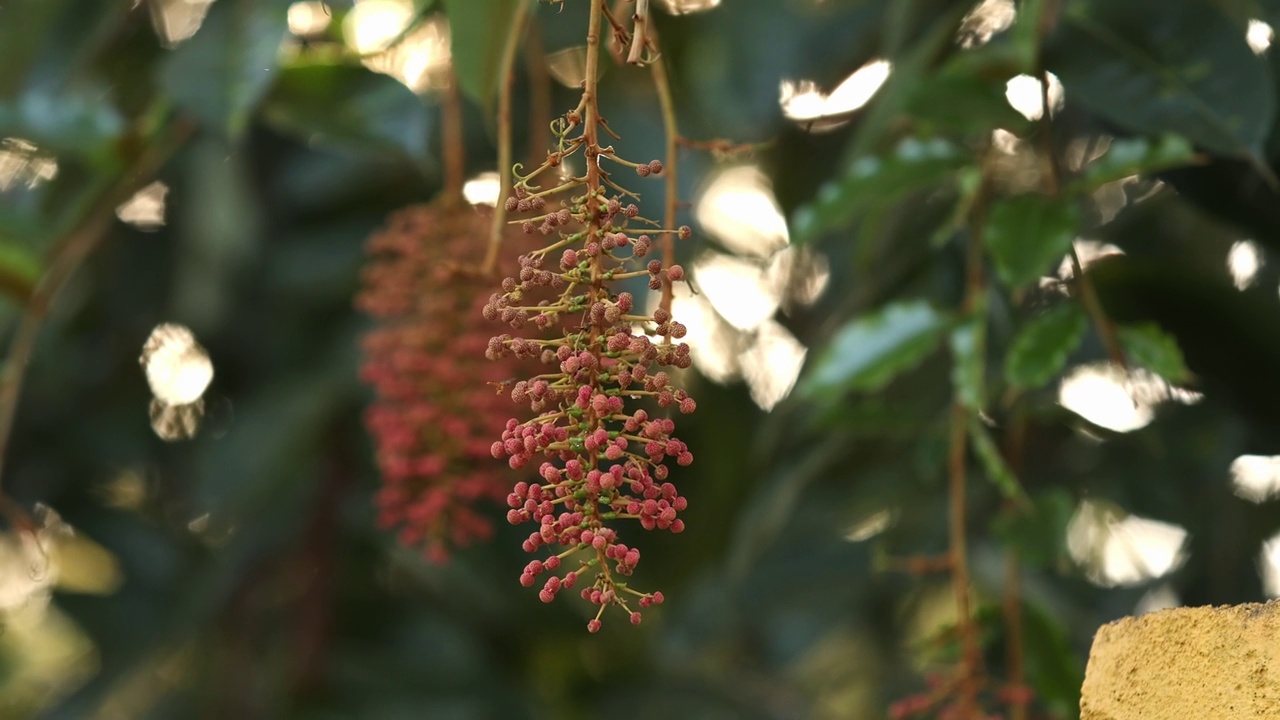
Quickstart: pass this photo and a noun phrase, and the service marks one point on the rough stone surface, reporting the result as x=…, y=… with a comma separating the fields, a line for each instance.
x=1186, y=663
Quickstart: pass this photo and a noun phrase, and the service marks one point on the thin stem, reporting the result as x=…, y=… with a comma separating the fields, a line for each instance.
x=1053, y=184
x=1015, y=664
x=662, y=84
x=451, y=138
x=956, y=480
x=505, y=77
x=539, y=91
x=639, y=36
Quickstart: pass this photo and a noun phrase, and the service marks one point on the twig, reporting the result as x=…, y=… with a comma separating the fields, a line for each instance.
x=639, y=36
x=539, y=92
x=662, y=84
x=69, y=253
x=970, y=659
x=1053, y=184
x=453, y=144
x=505, y=76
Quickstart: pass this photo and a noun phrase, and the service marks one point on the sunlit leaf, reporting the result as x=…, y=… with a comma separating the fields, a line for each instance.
x=869, y=352
x=872, y=183
x=1151, y=70
x=350, y=107
x=1146, y=345
x=1028, y=234
x=998, y=471
x=1040, y=349
x=1130, y=156
x=477, y=31
x=221, y=74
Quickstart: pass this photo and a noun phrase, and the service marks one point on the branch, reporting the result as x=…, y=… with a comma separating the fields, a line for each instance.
x=70, y=251
x=509, y=49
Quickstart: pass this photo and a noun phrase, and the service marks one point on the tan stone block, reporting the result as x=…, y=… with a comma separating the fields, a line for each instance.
x=1207, y=663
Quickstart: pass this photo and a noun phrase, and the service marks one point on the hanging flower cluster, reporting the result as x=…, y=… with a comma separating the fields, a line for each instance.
x=600, y=435
x=436, y=406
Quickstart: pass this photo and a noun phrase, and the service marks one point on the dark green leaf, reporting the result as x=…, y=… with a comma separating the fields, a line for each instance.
x=1028, y=234
x=998, y=471
x=1041, y=348
x=1151, y=70
x=220, y=75
x=874, y=183
x=351, y=107
x=1130, y=156
x=1050, y=662
x=1146, y=345
x=967, y=367
x=477, y=31
x=1038, y=532
x=869, y=352
x=19, y=271
x=967, y=94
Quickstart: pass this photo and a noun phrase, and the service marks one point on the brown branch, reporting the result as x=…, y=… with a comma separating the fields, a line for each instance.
x=505, y=77
x=639, y=36
x=970, y=658
x=666, y=101
x=453, y=148
x=539, y=92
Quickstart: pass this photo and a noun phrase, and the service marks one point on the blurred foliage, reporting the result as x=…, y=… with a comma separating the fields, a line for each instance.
x=240, y=573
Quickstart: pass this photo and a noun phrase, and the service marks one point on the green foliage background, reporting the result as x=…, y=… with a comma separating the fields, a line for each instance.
x=286, y=602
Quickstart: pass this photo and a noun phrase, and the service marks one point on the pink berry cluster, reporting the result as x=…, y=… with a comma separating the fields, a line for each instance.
x=435, y=405
x=600, y=431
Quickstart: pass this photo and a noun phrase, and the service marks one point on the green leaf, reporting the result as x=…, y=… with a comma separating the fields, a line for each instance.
x=1130, y=156
x=873, y=183
x=350, y=107
x=998, y=471
x=477, y=31
x=19, y=271
x=967, y=369
x=967, y=94
x=1040, y=349
x=221, y=74
x=1051, y=664
x=869, y=352
x=1028, y=234
x=1037, y=532
x=1150, y=70
x=1146, y=345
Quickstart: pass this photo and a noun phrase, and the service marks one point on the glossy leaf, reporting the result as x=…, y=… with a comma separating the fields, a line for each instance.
x=1040, y=350
x=869, y=352
x=1151, y=70
x=350, y=107
x=998, y=471
x=1146, y=345
x=221, y=73
x=477, y=31
x=1131, y=156
x=1029, y=234
x=874, y=182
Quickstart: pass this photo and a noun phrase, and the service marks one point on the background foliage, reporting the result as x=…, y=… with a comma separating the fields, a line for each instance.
x=240, y=572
